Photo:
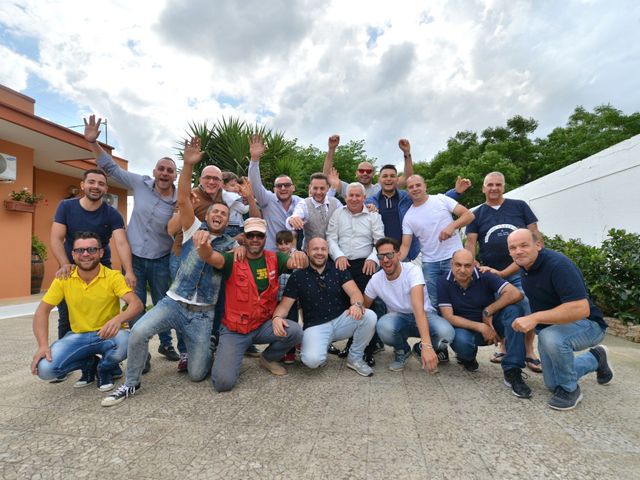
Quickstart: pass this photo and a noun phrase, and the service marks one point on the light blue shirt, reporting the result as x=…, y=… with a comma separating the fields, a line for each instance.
x=147, y=229
x=273, y=211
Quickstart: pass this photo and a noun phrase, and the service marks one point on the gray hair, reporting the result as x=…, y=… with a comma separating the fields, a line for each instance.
x=356, y=185
x=494, y=174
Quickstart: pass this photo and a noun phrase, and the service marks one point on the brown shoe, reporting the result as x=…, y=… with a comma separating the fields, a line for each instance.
x=274, y=367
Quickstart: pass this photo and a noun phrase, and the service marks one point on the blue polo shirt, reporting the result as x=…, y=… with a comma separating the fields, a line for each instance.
x=552, y=280
x=493, y=226
x=320, y=295
x=469, y=302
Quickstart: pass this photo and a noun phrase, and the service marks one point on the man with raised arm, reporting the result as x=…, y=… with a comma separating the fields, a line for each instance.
x=312, y=214
x=276, y=206
x=332, y=309
x=251, y=291
x=189, y=304
x=495, y=220
x=430, y=220
x=481, y=306
x=401, y=286
x=366, y=171
x=564, y=317
x=92, y=292
x=154, y=201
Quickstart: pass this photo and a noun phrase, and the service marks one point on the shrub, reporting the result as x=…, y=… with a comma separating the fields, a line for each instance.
x=611, y=271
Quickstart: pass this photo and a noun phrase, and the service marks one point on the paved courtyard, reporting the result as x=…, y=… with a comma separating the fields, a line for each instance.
x=329, y=423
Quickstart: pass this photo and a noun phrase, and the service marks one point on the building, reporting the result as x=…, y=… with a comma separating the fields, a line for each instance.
x=49, y=160
x=588, y=198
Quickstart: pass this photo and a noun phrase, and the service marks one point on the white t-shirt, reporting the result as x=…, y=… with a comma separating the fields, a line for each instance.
x=427, y=221
x=237, y=208
x=396, y=294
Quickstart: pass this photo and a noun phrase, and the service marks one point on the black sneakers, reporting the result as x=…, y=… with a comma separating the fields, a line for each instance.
x=169, y=352
x=513, y=379
x=563, y=400
x=604, y=372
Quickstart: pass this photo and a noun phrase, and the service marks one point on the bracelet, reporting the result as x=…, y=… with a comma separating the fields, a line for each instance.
x=93, y=141
x=426, y=345
x=277, y=316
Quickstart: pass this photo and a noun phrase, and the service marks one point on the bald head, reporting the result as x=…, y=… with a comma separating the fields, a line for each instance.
x=211, y=179
x=318, y=252
x=462, y=255
x=524, y=247
x=462, y=265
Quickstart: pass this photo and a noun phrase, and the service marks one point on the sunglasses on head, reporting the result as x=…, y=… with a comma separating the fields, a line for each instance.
x=365, y=170
x=89, y=250
x=388, y=255
x=283, y=185
x=251, y=235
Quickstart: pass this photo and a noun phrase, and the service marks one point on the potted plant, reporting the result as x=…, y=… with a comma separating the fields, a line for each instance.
x=22, y=201
x=38, y=256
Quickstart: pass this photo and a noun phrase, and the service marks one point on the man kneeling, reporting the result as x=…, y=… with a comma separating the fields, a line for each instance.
x=332, y=310
x=482, y=306
x=93, y=294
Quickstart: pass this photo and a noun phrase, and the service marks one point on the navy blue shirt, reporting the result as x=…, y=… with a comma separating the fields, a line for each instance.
x=388, y=210
x=102, y=222
x=320, y=295
x=494, y=226
x=552, y=280
x=469, y=302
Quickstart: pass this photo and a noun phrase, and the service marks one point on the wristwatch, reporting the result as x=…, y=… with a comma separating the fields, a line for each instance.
x=486, y=314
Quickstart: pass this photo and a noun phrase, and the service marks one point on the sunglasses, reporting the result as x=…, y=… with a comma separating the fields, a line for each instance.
x=388, y=255
x=283, y=185
x=251, y=235
x=365, y=170
x=89, y=250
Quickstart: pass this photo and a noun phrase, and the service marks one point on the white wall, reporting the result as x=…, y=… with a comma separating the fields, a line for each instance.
x=586, y=199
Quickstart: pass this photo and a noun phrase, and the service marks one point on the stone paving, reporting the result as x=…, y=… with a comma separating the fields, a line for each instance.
x=328, y=423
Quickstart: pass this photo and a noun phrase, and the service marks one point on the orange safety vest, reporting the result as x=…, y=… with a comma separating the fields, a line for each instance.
x=244, y=308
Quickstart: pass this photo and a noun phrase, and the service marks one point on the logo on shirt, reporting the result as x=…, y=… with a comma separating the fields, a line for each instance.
x=505, y=230
x=262, y=274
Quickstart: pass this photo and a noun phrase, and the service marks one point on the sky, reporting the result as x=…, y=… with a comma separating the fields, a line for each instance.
x=371, y=70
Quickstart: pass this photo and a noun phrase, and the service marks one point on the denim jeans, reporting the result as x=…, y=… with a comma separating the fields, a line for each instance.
x=516, y=281
x=232, y=345
x=316, y=339
x=155, y=273
x=556, y=345
x=195, y=327
x=466, y=342
x=74, y=350
x=431, y=272
x=394, y=329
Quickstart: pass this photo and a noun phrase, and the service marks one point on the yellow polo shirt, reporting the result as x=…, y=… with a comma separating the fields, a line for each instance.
x=90, y=305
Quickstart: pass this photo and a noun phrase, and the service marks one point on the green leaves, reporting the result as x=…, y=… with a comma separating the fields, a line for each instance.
x=612, y=271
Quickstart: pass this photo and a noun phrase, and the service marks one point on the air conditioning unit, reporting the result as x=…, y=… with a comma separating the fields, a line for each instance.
x=111, y=200
x=8, y=166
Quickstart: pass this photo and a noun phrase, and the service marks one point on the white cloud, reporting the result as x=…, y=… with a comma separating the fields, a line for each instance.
x=431, y=69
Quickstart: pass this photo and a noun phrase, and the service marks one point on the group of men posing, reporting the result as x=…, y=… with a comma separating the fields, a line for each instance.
x=386, y=266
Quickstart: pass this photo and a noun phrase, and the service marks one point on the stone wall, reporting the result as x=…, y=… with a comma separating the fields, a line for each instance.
x=619, y=329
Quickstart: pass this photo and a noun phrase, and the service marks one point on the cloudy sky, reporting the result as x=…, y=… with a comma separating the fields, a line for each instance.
x=372, y=70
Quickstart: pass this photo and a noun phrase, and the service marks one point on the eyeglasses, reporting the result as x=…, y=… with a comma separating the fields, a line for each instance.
x=89, y=250
x=206, y=178
x=388, y=255
x=283, y=185
x=365, y=170
x=251, y=235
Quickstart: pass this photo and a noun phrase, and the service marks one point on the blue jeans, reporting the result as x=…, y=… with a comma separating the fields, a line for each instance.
x=155, y=273
x=394, y=329
x=516, y=281
x=431, y=272
x=195, y=327
x=556, y=345
x=232, y=345
x=466, y=342
x=316, y=339
x=74, y=350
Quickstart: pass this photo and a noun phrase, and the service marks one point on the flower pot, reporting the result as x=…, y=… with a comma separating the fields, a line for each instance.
x=15, y=206
x=37, y=273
